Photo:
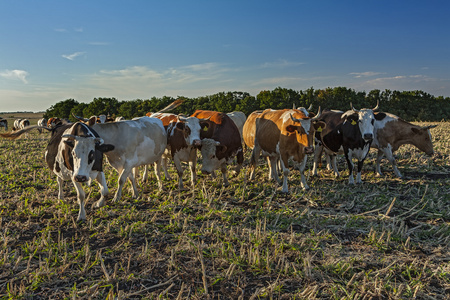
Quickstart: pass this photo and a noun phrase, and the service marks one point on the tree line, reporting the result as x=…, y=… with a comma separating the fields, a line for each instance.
x=409, y=105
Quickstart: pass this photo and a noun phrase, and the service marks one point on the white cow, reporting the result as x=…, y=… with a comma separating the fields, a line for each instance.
x=239, y=119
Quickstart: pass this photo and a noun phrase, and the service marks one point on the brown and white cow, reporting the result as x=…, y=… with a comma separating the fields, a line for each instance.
x=351, y=132
x=183, y=139
x=221, y=142
x=281, y=135
x=21, y=124
x=391, y=132
x=74, y=153
x=41, y=122
x=53, y=122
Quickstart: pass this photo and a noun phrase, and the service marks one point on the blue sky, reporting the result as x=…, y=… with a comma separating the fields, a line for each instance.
x=55, y=50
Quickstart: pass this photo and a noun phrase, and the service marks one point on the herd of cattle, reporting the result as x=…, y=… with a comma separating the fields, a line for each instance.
x=75, y=150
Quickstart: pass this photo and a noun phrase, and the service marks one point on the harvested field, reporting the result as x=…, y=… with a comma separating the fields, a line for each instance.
x=384, y=239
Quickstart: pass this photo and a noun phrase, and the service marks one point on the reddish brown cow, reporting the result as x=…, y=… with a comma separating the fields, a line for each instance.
x=221, y=142
x=280, y=135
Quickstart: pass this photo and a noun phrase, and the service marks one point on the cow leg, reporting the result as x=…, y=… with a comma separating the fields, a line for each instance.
x=328, y=160
x=81, y=196
x=334, y=165
x=157, y=166
x=390, y=156
x=302, y=175
x=132, y=179
x=317, y=158
x=358, y=175
x=348, y=158
x=103, y=189
x=120, y=183
x=253, y=161
x=192, y=166
x=179, y=167
x=60, y=188
x=144, y=174
x=273, y=167
x=165, y=168
x=284, y=166
x=224, y=170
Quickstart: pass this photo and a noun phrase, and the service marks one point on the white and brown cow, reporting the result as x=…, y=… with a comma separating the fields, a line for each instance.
x=391, y=132
x=281, y=135
x=351, y=132
x=183, y=139
x=74, y=153
x=21, y=124
x=43, y=123
x=137, y=142
x=53, y=122
x=221, y=143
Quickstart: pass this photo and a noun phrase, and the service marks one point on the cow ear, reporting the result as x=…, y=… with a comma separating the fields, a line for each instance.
x=92, y=120
x=204, y=125
x=69, y=143
x=104, y=147
x=221, y=148
x=290, y=128
x=180, y=125
x=379, y=116
x=415, y=130
x=319, y=126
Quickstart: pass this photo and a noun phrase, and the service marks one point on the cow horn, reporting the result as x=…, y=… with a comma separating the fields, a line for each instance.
x=376, y=107
x=99, y=140
x=80, y=118
x=310, y=107
x=293, y=105
x=182, y=119
x=319, y=113
x=354, y=109
x=294, y=119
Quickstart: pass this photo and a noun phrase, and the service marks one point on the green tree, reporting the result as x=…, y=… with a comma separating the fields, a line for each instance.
x=61, y=109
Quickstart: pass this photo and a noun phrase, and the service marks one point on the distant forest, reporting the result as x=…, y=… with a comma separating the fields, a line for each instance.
x=409, y=105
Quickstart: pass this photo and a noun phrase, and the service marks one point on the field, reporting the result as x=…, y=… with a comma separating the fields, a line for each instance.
x=384, y=239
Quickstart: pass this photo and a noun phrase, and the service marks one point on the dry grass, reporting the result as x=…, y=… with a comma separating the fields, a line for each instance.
x=384, y=239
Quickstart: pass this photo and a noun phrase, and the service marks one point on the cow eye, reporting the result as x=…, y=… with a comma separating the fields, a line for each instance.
x=91, y=157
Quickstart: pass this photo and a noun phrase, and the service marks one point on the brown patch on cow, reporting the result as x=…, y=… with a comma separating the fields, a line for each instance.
x=57, y=167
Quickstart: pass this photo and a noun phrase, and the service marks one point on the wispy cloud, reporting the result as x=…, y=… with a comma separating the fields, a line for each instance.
x=281, y=63
x=365, y=74
x=73, y=55
x=15, y=74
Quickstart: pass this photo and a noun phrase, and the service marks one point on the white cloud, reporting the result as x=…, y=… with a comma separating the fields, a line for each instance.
x=15, y=74
x=281, y=63
x=73, y=55
x=365, y=74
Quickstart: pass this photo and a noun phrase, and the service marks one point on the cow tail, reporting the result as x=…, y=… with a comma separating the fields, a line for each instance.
x=15, y=134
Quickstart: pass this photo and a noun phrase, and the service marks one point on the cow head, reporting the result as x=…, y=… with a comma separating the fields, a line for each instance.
x=81, y=150
x=301, y=127
x=191, y=129
x=210, y=149
x=422, y=139
x=364, y=118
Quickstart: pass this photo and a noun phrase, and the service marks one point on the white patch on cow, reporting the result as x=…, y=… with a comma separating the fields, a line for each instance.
x=306, y=124
x=366, y=122
x=210, y=161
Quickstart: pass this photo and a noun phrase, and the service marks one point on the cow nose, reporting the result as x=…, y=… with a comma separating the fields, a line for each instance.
x=197, y=143
x=368, y=136
x=80, y=178
x=309, y=150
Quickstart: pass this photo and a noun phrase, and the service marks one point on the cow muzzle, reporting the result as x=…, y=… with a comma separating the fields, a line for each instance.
x=197, y=143
x=81, y=178
x=309, y=150
x=368, y=136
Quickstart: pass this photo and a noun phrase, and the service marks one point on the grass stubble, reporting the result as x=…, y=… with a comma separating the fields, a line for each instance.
x=384, y=239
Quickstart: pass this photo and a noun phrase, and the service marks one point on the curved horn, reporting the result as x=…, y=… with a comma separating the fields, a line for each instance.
x=310, y=107
x=319, y=113
x=294, y=119
x=376, y=107
x=80, y=118
x=354, y=109
x=293, y=105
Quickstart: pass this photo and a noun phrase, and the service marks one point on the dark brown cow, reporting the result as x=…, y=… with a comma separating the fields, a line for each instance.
x=281, y=135
x=4, y=123
x=221, y=142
